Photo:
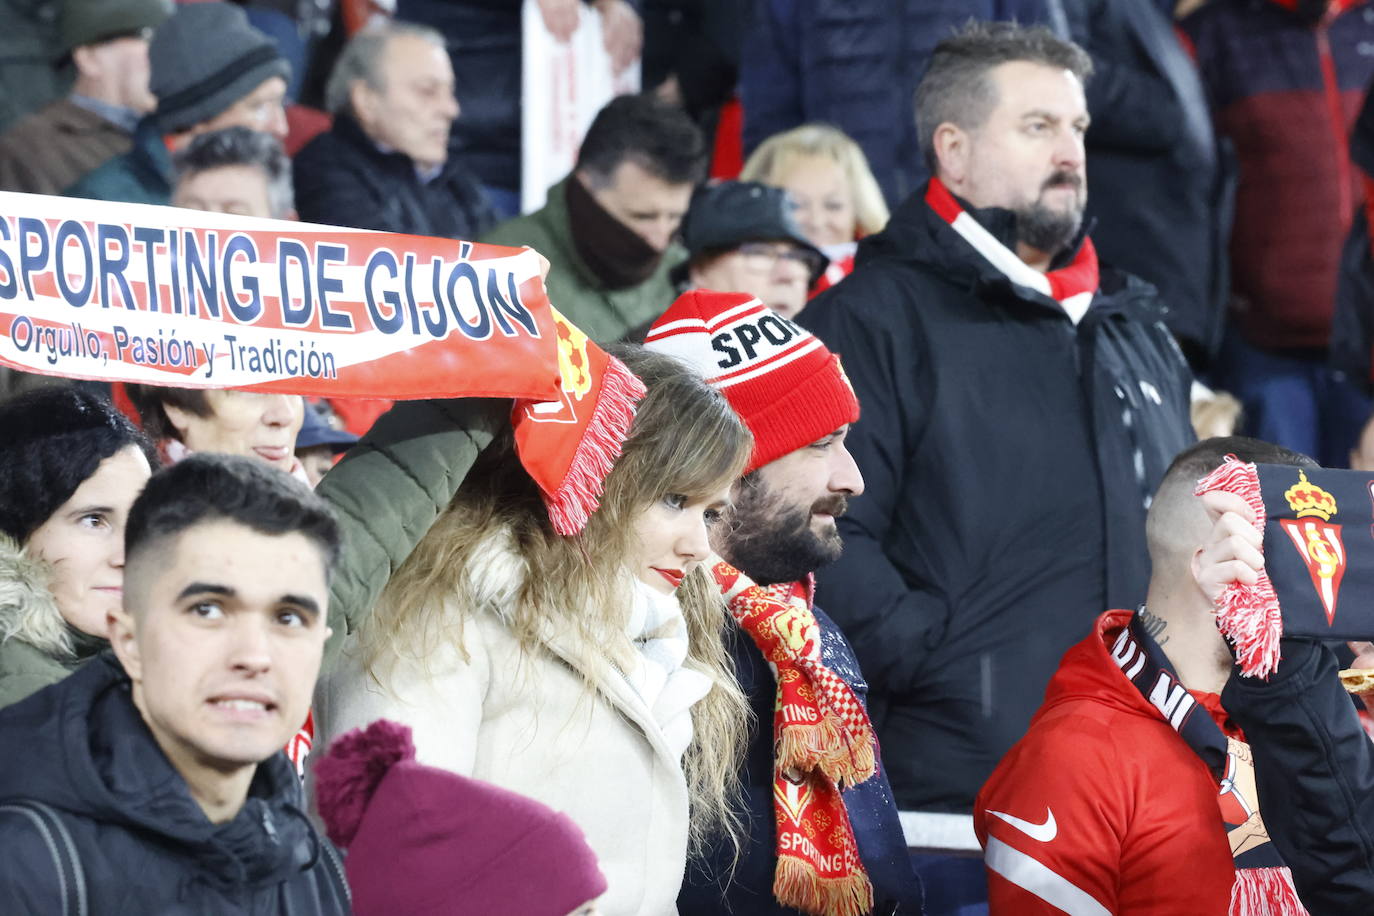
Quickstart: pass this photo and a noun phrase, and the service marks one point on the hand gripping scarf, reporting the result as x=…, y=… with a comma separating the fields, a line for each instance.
x=822, y=742
x=1318, y=542
x=1263, y=885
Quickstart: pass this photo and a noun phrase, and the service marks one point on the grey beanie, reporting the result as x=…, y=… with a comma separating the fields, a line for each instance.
x=204, y=59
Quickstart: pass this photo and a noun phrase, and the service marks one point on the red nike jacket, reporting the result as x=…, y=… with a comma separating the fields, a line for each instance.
x=1102, y=809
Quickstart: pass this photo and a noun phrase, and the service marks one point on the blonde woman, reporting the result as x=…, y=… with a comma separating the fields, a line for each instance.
x=836, y=196
x=587, y=672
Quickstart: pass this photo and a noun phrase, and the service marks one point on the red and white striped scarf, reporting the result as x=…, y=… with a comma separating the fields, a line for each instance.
x=1072, y=286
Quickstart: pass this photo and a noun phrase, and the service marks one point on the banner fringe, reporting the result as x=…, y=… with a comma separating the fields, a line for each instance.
x=579, y=494
x=1248, y=615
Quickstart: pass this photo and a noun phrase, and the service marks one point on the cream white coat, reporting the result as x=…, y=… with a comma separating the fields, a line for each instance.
x=527, y=722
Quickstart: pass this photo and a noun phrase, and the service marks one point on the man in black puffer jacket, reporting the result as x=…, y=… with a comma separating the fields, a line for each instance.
x=153, y=781
x=1019, y=410
x=387, y=163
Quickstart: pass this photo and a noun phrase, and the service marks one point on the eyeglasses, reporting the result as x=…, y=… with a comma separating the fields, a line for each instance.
x=762, y=256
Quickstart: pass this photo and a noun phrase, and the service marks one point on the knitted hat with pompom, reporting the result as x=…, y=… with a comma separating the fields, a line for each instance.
x=424, y=841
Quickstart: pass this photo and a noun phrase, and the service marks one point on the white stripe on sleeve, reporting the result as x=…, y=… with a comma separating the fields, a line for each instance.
x=1034, y=876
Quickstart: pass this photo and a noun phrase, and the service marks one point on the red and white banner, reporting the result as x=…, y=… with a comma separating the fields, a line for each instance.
x=165, y=296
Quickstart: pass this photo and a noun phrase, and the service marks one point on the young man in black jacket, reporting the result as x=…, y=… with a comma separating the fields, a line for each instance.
x=1020, y=407
x=153, y=780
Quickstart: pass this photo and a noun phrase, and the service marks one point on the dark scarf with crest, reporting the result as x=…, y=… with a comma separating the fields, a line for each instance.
x=1264, y=885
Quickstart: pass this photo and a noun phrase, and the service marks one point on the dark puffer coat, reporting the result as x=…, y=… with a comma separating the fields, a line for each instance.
x=81, y=748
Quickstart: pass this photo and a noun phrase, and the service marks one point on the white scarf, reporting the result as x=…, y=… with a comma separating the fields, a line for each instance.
x=670, y=690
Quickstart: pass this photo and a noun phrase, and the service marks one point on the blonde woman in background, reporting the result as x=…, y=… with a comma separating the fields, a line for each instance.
x=836, y=196
x=587, y=672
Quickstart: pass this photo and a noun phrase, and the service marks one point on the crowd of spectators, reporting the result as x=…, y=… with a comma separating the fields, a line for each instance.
x=1050, y=256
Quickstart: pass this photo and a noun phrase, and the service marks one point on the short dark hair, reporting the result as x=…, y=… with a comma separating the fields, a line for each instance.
x=660, y=138
x=208, y=487
x=1197, y=461
x=240, y=146
x=956, y=88
x=148, y=401
x=54, y=439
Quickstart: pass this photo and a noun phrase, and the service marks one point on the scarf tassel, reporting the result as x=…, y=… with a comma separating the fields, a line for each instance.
x=572, y=504
x=825, y=746
x=1265, y=892
x=796, y=885
x=1248, y=615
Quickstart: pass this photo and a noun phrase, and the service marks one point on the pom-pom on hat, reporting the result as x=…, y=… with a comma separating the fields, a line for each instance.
x=425, y=842
x=782, y=381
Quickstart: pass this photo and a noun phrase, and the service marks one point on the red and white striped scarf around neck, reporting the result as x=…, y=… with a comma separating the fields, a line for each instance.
x=1072, y=286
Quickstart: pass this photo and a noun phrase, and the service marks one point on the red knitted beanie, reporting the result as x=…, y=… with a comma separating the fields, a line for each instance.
x=782, y=381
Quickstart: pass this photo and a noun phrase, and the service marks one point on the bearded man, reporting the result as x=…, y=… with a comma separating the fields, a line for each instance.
x=823, y=836
x=1020, y=407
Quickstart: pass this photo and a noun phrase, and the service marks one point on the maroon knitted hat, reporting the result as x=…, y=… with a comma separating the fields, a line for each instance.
x=782, y=381
x=425, y=842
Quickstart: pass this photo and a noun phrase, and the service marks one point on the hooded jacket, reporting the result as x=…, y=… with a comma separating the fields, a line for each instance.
x=1285, y=80
x=24, y=599
x=81, y=748
x=1008, y=456
x=1102, y=799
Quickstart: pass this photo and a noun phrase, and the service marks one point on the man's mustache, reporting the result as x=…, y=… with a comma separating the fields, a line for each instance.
x=1063, y=178
x=835, y=505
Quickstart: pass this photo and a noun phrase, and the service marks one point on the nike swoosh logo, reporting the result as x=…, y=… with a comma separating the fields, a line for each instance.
x=1042, y=832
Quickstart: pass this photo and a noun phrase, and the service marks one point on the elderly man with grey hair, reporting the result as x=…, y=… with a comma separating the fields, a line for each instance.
x=235, y=170
x=386, y=163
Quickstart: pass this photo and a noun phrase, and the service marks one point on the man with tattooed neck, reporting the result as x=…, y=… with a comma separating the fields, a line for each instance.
x=608, y=228
x=1134, y=791
x=1020, y=406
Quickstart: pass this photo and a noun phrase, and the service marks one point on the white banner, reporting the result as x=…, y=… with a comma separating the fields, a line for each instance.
x=563, y=85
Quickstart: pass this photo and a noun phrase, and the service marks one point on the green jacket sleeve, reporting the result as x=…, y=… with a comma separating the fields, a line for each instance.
x=389, y=489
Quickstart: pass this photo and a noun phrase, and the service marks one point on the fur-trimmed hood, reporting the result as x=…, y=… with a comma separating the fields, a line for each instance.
x=28, y=610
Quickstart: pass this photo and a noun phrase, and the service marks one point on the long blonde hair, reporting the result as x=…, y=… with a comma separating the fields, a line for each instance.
x=685, y=440
x=775, y=157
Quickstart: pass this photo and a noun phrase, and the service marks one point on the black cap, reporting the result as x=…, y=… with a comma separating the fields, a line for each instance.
x=729, y=213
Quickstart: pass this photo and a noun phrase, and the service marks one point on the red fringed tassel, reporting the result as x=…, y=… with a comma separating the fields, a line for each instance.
x=1265, y=892
x=1247, y=615
x=580, y=492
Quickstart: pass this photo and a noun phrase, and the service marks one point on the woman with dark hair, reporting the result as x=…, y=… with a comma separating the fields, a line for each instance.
x=70, y=468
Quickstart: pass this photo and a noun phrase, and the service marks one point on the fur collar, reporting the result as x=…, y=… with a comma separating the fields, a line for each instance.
x=28, y=610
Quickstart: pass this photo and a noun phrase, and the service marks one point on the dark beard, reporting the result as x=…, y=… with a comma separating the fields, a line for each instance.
x=1044, y=229
x=772, y=544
